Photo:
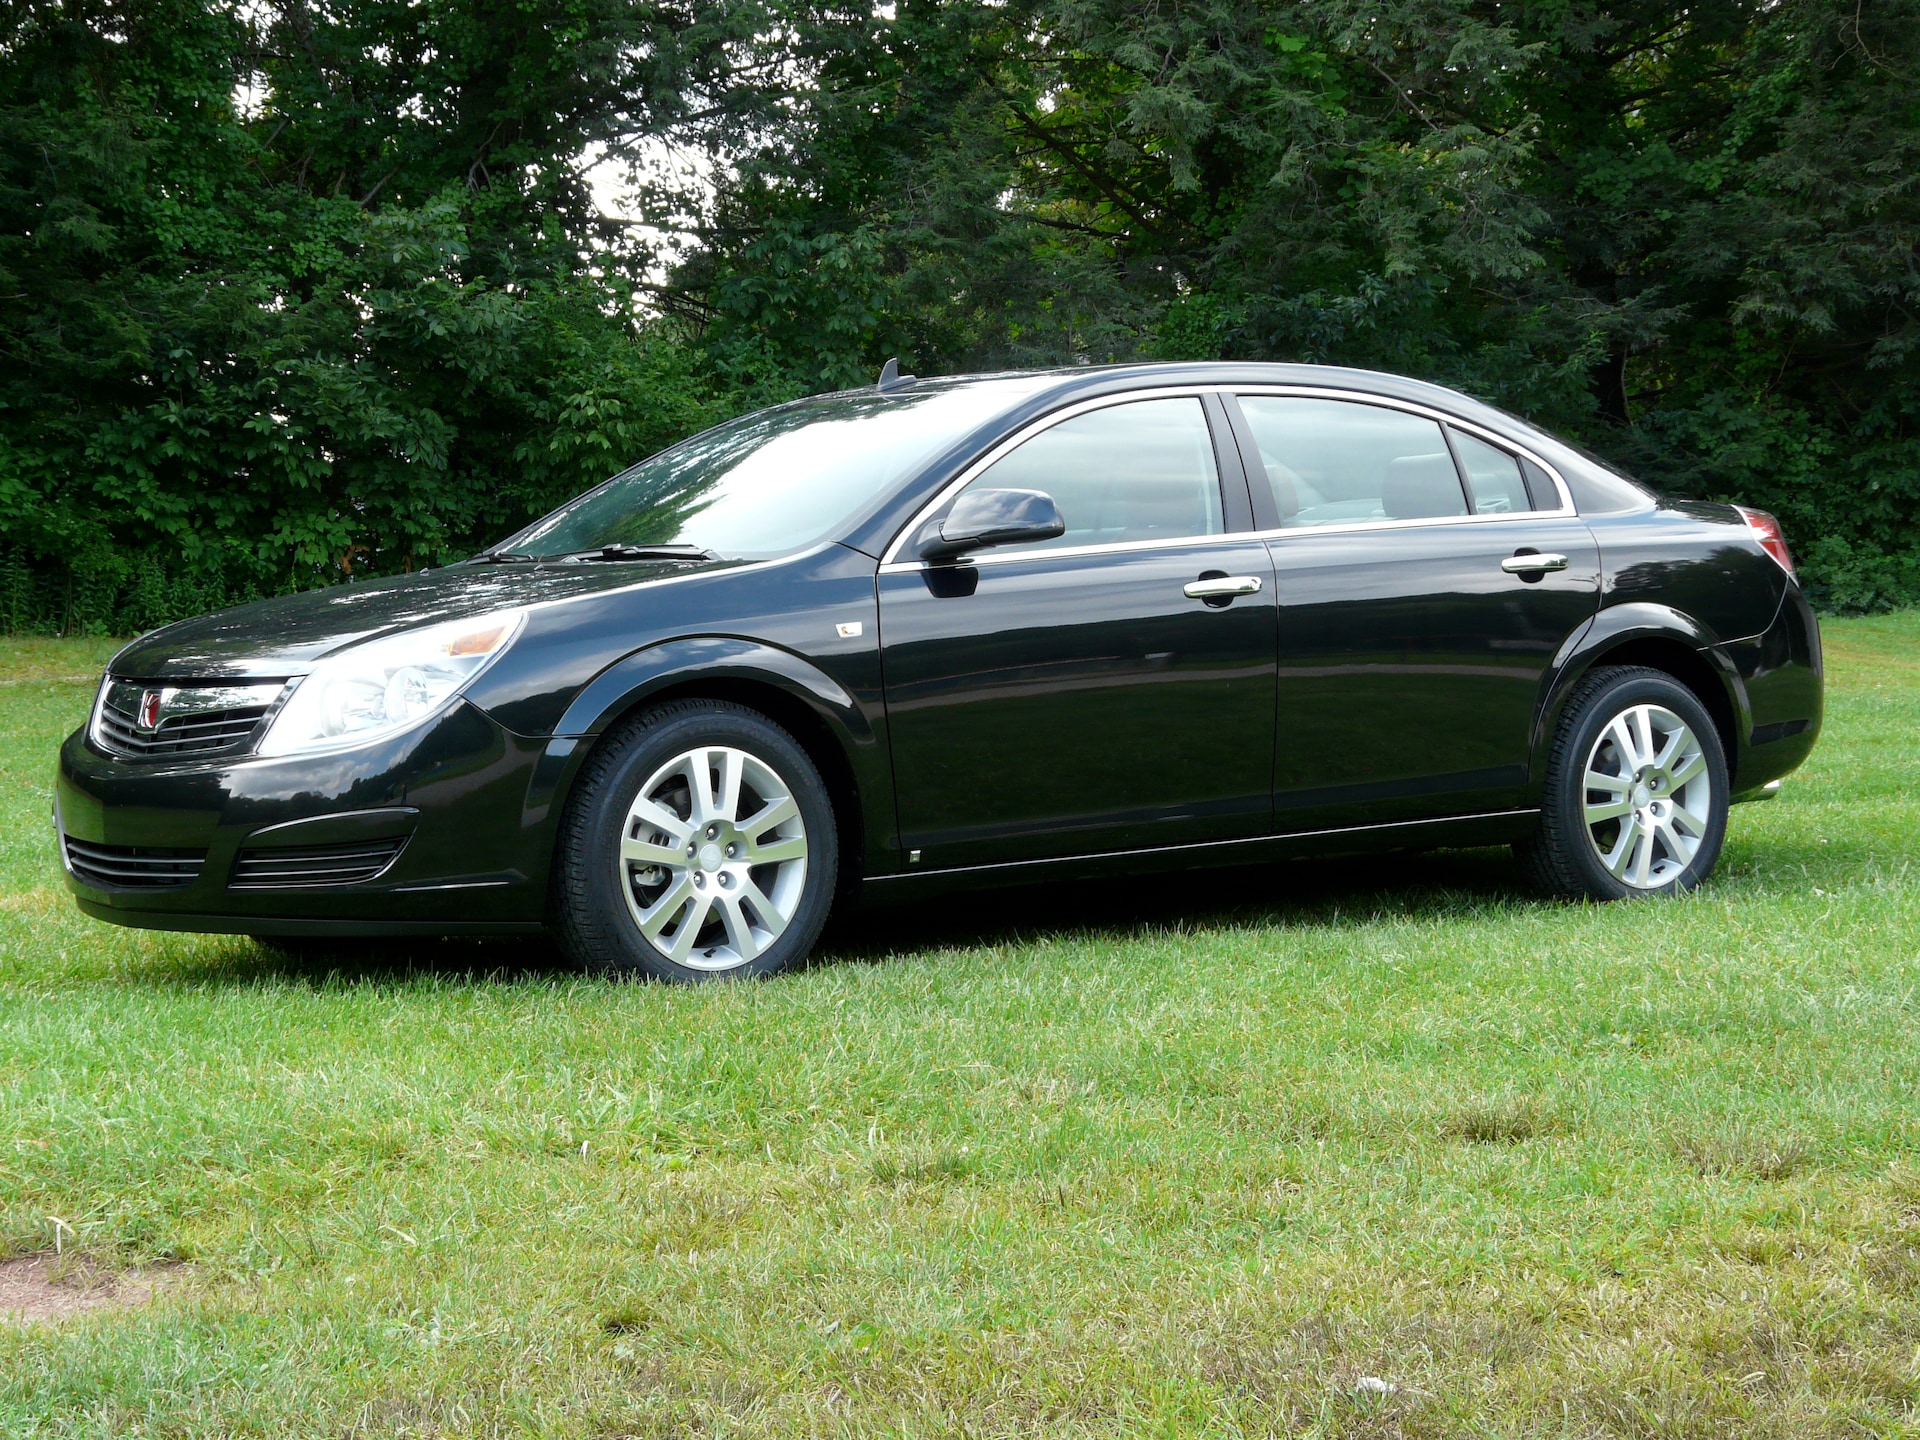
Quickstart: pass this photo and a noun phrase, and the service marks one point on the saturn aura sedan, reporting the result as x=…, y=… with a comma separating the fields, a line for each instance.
x=965, y=631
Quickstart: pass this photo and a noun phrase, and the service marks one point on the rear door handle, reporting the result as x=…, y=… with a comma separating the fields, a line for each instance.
x=1216, y=587
x=1533, y=564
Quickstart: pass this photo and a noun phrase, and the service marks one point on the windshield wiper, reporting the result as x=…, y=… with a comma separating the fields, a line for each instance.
x=599, y=552
x=643, y=552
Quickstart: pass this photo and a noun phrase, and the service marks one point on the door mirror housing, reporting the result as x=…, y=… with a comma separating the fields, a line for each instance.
x=980, y=518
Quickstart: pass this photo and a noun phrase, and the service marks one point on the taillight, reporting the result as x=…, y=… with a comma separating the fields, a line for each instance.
x=1766, y=530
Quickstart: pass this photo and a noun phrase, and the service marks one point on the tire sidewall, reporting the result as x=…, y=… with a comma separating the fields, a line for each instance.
x=607, y=927
x=1569, y=788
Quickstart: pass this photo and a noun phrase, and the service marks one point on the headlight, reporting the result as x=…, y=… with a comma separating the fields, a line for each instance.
x=384, y=686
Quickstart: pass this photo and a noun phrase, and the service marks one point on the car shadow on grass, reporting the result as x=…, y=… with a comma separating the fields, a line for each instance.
x=318, y=962
x=1353, y=891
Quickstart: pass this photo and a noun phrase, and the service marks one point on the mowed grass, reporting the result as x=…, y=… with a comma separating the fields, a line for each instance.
x=1372, y=1147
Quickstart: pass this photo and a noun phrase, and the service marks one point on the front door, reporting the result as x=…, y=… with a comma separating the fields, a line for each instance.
x=1073, y=697
x=1426, y=579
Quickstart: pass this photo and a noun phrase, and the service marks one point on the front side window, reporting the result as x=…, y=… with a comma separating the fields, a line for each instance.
x=1138, y=471
x=1338, y=462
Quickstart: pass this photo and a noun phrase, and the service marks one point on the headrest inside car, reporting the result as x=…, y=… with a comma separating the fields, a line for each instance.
x=1420, y=487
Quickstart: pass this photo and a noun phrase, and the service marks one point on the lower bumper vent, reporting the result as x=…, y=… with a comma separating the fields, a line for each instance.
x=1780, y=730
x=322, y=865
x=131, y=867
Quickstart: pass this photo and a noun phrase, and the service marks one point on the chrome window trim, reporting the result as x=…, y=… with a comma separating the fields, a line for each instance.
x=892, y=564
x=890, y=560
x=1368, y=526
x=1115, y=547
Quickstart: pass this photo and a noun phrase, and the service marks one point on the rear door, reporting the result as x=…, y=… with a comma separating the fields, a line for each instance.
x=1073, y=696
x=1427, y=574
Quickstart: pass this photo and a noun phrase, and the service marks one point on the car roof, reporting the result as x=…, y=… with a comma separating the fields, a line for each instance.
x=1031, y=394
x=1597, y=487
x=1061, y=384
x=1199, y=372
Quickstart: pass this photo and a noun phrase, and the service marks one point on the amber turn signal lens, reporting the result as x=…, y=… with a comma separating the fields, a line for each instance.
x=479, y=642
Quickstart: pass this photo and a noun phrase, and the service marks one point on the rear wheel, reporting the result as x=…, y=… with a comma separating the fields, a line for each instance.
x=699, y=842
x=1636, y=792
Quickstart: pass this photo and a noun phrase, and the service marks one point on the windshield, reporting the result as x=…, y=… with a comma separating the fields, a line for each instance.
x=773, y=482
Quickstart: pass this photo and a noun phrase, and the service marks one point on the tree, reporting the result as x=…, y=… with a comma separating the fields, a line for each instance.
x=1686, y=237
x=291, y=296
x=299, y=291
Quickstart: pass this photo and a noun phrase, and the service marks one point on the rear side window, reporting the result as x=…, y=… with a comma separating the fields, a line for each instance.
x=1336, y=462
x=1138, y=471
x=1546, y=495
x=1493, y=476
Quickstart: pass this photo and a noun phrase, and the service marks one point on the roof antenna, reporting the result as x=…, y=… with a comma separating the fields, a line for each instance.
x=891, y=379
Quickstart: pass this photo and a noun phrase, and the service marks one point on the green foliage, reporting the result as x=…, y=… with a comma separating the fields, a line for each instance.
x=296, y=291
x=354, y=332
x=1687, y=238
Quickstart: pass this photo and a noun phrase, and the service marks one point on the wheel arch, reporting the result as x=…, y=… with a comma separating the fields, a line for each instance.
x=1658, y=638
x=823, y=718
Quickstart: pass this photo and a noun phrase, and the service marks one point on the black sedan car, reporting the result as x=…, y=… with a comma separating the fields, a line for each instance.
x=956, y=631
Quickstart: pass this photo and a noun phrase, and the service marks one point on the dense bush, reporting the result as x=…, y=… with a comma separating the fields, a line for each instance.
x=357, y=330
x=1687, y=236
x=292, y=292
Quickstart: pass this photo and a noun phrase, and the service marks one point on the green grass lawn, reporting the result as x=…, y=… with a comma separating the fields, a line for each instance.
x=1186, y=1156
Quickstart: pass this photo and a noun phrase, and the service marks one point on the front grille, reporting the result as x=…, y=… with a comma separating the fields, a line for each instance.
x=204, y=734
x=192, y=721
x=131, y=867
x=323, y=865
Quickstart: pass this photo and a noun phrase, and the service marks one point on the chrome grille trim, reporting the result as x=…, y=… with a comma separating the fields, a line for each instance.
x=130, y=867
x=189, y=721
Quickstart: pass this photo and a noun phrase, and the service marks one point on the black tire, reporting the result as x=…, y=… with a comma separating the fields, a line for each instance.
x=1561, y=857
x=591, y=915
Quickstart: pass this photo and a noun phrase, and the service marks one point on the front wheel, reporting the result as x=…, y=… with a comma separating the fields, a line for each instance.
x=1636, y=793
x=699, y=842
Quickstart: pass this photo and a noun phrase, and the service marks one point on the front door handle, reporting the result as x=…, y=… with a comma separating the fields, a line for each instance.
x=1222, y=587
x=1533, y=564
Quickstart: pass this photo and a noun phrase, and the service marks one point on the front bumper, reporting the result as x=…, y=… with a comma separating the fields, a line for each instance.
x=471, y=856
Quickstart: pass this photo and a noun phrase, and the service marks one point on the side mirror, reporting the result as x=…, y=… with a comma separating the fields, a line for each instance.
x=980, y=518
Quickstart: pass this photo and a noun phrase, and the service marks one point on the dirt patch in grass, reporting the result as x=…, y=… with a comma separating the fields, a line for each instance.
x=1745, y=1150
x=1505, y=1121
x=47, y=1289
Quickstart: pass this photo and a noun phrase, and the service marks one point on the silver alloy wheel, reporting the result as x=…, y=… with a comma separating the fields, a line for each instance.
x=713, y=858
x=1648, y=796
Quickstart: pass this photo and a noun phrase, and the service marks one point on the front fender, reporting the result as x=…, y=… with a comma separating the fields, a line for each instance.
x=707, y=659
x=1617, y=626
x=615, y=690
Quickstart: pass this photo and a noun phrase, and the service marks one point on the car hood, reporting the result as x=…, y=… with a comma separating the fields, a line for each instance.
x=274, y=639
